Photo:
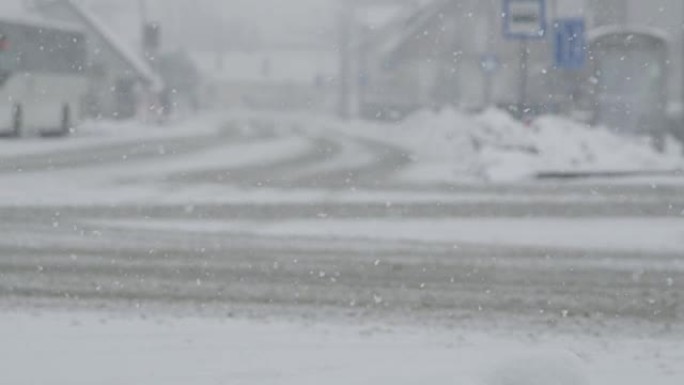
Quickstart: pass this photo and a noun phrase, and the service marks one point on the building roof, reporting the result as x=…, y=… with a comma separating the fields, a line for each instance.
x=15, y=11
x=128, y=55
x=407, y=25
x=36, y=21
x=602, y=31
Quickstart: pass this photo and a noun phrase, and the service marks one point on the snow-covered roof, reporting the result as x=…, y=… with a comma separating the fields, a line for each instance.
x=14, y=11
x=90, y=21
x=126, y=52
x=36, y=21
x=277, y=67
x=600, y=32
x=376, y=17
x=407, y=26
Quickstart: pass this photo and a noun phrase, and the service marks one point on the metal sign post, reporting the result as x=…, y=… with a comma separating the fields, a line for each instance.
x=348, y=78
x=489, y=63
x=524, y=20
x=524, y=77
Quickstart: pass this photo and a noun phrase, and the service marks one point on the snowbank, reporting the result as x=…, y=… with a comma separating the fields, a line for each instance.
x=494, y=146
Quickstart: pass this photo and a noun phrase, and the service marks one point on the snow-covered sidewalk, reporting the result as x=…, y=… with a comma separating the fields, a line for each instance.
x=91, y=348
x=92, y=134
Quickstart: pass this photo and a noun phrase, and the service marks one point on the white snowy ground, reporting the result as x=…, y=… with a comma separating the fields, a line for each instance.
x=96, y=133
x=99, y=168
x=614, y=234
x=457, y=146
x=446, y=148
x=494, y=146
x=91, y=348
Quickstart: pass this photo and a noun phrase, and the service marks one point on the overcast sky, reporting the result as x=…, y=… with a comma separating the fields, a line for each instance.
x=283, y=20
x=186, y=22
x=197, y=24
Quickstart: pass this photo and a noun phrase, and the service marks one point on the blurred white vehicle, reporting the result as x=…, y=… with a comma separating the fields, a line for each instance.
x=42, y=77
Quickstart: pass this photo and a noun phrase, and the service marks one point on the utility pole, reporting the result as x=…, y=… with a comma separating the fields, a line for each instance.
x=524, y=77
x=144, y=25
x=681, y=69
x=492, y=20
x=142, y=9
x=557, y=77
x=348, y=76
x=524, y=21
x=151, y=34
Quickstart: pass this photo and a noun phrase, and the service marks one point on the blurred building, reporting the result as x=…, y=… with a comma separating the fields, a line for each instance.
x=122, y=82
x=453, y=52
x=434, y=54
x=267, y=79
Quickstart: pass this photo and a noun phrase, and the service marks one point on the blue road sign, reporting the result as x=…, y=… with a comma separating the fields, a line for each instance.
x=524, y=19
x=570, y=43
x=489, y=63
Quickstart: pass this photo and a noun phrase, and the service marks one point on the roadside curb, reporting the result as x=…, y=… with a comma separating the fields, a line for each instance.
x=567, y=175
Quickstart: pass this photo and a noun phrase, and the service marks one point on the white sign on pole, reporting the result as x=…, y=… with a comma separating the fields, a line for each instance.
x=524, y=19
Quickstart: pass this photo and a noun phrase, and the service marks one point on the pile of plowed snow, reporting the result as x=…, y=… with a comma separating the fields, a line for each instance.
x=495, y=146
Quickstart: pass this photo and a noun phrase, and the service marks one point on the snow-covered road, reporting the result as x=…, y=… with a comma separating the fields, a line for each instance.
x=297, y=210
x=286, y=214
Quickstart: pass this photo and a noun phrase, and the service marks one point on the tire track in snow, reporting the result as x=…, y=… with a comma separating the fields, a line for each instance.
x=268, y=174
x=130, y=150
x=386, y=161
x=185, y=269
